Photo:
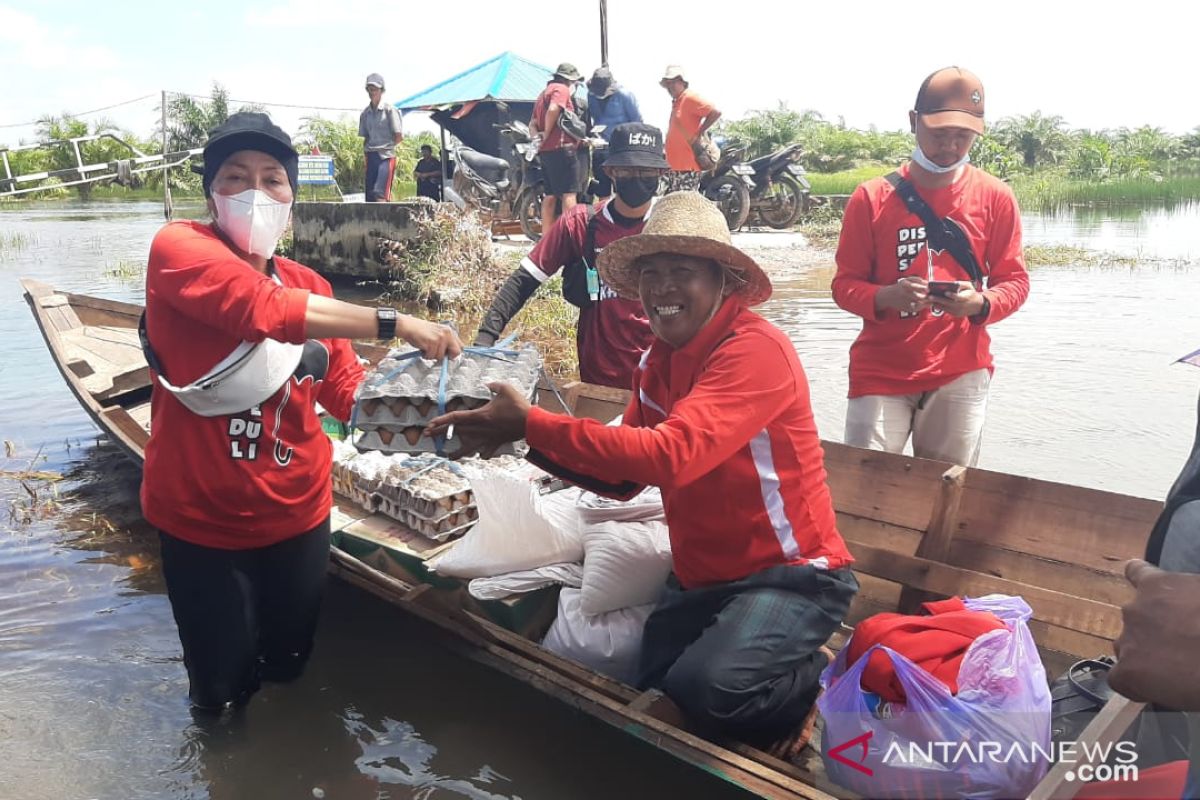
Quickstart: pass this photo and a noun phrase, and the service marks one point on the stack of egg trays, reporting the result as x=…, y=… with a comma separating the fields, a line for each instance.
x=400, y=397
x=355, y=474
x=428, y=494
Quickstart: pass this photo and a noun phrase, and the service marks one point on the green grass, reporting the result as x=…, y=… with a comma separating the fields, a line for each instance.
x=453, y=254
x=1049, y=192
x=125, y=270
x=846, y=181
x=1061, y=255
x=15, y=241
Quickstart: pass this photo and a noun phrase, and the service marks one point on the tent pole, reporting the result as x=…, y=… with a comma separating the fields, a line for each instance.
x=445, y=177
x=604, y=33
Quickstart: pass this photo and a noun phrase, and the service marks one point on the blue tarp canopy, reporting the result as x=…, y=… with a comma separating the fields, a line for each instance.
x=506, y=77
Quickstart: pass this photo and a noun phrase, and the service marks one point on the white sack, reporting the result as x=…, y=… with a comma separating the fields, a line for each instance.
x=510, y=583
x=624, y=564
x=518, y=529
x=609, y=643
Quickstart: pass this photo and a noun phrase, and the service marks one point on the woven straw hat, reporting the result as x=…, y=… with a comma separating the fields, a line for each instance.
x=687, y=224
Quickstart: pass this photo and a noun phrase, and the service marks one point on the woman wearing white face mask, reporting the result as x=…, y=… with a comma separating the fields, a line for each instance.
x=237, y=467
x=922, y=365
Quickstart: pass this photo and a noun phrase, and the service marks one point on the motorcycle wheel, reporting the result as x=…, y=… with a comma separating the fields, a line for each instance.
x=783, y=203
x=732, y=198
x=529, y=210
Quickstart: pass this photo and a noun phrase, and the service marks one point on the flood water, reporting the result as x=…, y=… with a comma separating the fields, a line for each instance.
x=92, y=687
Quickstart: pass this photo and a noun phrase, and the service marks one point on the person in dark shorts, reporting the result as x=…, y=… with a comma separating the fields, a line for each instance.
x=558, y=151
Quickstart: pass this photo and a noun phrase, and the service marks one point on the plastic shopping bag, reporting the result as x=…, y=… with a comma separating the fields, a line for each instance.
x=991, y=740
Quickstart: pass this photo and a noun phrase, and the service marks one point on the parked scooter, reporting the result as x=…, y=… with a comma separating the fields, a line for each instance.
x=533, y=188
x=503, y=188
x=781, y=191
x=506, y=188
x=729, y=185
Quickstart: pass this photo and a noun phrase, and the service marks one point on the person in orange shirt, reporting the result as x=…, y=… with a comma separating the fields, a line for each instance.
x=922, y=366
x=691, y=116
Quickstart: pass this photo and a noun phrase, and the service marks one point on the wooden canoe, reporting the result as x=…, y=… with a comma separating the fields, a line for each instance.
x=918, y=529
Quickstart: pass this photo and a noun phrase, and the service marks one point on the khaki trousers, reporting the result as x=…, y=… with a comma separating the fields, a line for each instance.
x=945, y=424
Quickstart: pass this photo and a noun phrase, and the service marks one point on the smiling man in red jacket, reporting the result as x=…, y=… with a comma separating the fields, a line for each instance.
x=721, y=420
x=922, y=365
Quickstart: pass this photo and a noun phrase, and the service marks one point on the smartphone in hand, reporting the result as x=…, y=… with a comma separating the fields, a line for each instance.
x=946, y=289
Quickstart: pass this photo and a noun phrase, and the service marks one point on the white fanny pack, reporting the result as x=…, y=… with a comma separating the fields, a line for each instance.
x=246, y=377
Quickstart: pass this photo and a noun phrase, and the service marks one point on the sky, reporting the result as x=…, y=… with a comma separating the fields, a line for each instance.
x=1096, y=64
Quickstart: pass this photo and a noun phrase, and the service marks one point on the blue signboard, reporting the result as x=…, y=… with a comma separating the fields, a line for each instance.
x=316, y=170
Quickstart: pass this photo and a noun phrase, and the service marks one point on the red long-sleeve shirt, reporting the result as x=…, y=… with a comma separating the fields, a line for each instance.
x=882, y=241
x=724, y=426
x=255, y=478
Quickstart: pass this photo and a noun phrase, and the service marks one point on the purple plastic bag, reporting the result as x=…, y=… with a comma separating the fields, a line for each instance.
x=991, y=740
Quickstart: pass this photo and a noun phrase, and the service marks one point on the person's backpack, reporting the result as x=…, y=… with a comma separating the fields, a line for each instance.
x=581, y=280
x=572, y=124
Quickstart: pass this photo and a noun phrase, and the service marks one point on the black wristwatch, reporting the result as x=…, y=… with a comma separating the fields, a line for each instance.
x=385, y=318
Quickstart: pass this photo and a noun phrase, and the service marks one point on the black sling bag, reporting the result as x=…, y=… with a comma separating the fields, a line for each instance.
x=940, y=234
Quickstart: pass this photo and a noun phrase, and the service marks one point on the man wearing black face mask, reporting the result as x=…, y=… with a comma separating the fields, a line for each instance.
x=612, y=332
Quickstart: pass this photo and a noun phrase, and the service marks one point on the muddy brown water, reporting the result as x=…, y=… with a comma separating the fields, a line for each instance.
x=92, y=688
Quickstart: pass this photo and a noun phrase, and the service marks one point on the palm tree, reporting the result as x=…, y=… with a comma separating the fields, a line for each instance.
x=1037, y=137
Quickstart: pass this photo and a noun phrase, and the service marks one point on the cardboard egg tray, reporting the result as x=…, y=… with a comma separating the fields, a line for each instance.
x=427, y=494
x=400, y=397
x=401, y=413
x=439, y=530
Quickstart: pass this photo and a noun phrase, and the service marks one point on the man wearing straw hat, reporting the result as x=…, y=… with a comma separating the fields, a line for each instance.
x=721, y=421
x=928, y=285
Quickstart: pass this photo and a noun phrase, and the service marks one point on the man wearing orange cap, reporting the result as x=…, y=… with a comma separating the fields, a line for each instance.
x=929, y=257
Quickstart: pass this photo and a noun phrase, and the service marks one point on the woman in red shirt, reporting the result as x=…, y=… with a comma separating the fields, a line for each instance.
x=237, y=475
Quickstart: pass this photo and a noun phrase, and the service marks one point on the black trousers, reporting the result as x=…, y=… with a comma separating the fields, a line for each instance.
x=740, y=658
x=244, y=615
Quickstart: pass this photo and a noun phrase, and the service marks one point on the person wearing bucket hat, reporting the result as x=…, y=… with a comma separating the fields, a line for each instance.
x=242, y=344
x=908, y=263
x=610, y=104
x=558, y=151
x=381, y=129
x=720, y=420
x=691, y=117
x=611, y=332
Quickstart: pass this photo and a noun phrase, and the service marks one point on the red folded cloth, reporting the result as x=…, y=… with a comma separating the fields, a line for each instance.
x=935, y=641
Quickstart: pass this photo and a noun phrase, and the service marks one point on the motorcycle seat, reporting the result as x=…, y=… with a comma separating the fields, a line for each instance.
x=489, y=168
x=762, y=162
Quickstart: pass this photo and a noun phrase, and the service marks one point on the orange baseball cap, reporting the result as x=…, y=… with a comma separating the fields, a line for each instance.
x=951, y=98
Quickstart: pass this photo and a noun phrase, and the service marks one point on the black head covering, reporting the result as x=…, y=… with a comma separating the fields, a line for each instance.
x=248, y=130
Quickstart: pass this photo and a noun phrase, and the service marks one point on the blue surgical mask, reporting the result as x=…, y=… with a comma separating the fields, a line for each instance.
x=923, y=161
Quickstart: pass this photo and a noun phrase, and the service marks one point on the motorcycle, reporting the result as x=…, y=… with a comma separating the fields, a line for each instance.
x=781, y=191
x=529, y=201
x=503, y=188
x=729, y=185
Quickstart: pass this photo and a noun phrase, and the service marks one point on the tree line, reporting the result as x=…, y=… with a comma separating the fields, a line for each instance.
x=1012, y=147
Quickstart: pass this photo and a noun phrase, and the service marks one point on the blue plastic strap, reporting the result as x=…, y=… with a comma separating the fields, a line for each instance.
x=440, y=441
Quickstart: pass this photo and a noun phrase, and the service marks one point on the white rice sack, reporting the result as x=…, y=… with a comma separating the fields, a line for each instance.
x=518, y=529
x=609, y=643
x=624, y=564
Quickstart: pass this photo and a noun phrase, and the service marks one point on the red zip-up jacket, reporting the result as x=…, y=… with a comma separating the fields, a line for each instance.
x=882, y=241
x=251, y=479
x=725, y=427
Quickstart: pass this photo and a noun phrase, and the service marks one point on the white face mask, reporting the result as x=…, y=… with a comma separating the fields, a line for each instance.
x=923, y=161
x=253, y=220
